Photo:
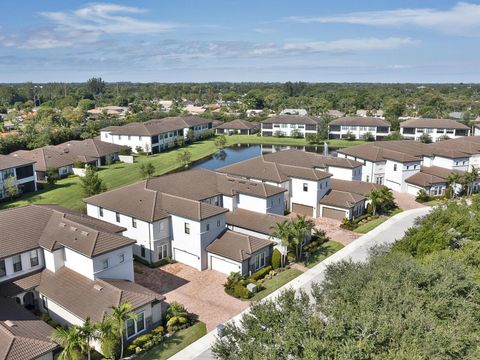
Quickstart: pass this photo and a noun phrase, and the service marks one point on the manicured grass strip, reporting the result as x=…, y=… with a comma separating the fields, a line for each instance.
x=180, y=340
x=254, y=139
x=434, y=202
x=365, y=228
x=276, y=282
x=327, y=249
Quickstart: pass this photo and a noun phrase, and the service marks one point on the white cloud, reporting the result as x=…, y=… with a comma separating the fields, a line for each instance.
x=461, y=19
x=349, y=45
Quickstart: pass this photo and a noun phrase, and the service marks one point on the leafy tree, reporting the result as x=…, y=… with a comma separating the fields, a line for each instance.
x=86, y=104
x=221, y=141
x=119, y=316
x=147, y=170
x=72, y=342
x=422, y=196
x=73, y=116
x=11, y=188
x=96, y=85
x=425, y=138
x=394, y=135
x=184, y=157
x=368, y=137
x=91, y=183
x=190, y=136
x=52, y=175
x=350, y=136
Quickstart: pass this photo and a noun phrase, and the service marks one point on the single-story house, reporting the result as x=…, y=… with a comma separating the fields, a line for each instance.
x=242, y=127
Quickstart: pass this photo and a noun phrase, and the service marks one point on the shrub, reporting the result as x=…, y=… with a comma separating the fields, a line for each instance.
x=78, y=164
x=241, y=291
x=131, y=349
x=159, y=330
x=260, y=274
x=142, y=340
x=422, y=196
x=52, y=175
x=276, y=259
x=138, y=149
x=125, y=151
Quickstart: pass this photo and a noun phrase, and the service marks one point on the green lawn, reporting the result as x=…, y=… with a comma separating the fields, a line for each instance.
x=329, y=248
x=254, y=139
x=180, y=340
x=365, y=228
x=276, y=282
x=434, y=202
x=68, y=192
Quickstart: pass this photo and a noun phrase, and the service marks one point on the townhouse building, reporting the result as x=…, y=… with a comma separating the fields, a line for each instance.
x=437, y=129
x=290, y=125
x=21, y=170
x=69, y=266
x=396, y=164
x=359, y=127
x=242, y=127
x=180, y=215
x=155, y=135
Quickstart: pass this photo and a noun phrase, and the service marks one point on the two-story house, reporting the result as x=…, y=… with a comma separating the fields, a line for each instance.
x=21, y=170
x=358, y=127
x=437, y=129
x=71, y=267
x=155, y=135
x=180, y=215
x=290, y=125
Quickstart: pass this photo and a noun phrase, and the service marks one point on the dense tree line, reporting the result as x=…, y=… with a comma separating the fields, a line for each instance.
x=419, y=301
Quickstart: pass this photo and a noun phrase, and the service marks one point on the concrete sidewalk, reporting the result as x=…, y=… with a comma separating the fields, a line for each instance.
x=386, y=233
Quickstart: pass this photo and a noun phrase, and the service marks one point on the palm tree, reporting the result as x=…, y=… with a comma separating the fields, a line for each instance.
x=453, y=180
x=301, y=226
x=88, y=333
x=108, y=335
x=375, y=196
x=72, y=342
x=469, y=179
x=120, y=315
x=283, y=231
x=176, y=315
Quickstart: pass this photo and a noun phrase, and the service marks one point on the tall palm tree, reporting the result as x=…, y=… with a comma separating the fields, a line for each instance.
x=88, y=332
x=453, y=180
x=301, y=226
x=120, y=315
x=375, y=196
x=72, y=342
x=109, y=337
x=283, y=231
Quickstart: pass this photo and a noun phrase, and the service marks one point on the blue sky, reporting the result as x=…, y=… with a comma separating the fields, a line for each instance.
x=240, y=40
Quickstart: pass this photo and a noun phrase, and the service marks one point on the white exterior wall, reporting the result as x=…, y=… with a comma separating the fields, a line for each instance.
x=453, y=164
x=435, y=133
x=54, y=260
x=316, y=191
x=288, y=128
x=26, y=268
x=273, y=204
x=345, y=174
x=228, y=202
x=217, y=225
x=79, y=263
x=395, y=180
x=358, y=131
x=186, y=246
x=59, y=314
x=116, y=269
x=474, y=161
x=133, y=142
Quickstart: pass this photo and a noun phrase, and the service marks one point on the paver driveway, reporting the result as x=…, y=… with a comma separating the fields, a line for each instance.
x=406, y=201
x=335, y=232
x=201, y=292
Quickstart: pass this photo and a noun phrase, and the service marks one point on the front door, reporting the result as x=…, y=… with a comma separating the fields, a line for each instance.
x=162, y=251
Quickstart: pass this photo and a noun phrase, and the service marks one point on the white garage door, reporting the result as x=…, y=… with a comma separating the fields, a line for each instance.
x=186, y=258
x=224, y=265
x=412, y=190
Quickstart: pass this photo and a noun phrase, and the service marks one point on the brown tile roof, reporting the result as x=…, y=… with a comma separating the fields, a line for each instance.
x=90, y=148
x=439, y=171
x=239, y=125
x=22, y=335
x=429, y=175
x=29, y=227
x=309, y=159
x=292, y=119
x=46, y=157
x=179, y=194
x=158, y=126
x=92, y=298
x=237, y=246
x=10, y=161
x=258, y=222
x=433, y=123
x=360, y=121
x=357, y=187
x=341, y=199
x=400, y=150
x=279, y=167
x=20, y=284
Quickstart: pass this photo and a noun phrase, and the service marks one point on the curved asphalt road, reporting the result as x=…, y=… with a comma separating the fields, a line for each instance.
x=391, y=230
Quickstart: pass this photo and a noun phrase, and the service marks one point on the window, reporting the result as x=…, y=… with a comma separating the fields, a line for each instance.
x=140, y=322
x=105, y=264
x=17, y=263
x=34, y=258
x=305, y=187
x=117, y=217
x=218, y=223
x=142, y=250
x=162, y=251
x=187, y=228
x=134, y=223
x=121, y=258
x=207, y=227
x=394, y=167
x=259, y=261
x=100, y=211
x=130, y=328
x=3, y=269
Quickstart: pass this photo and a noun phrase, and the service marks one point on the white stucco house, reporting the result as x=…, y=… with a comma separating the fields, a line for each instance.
x=437, y=129
x=359, y=127
x=21, y=170
x=289, y=125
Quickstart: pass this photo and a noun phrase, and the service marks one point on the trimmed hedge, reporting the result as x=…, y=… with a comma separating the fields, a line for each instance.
x=241, y=291
x=276, y=259
x=154, y=264
x=260, y=274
